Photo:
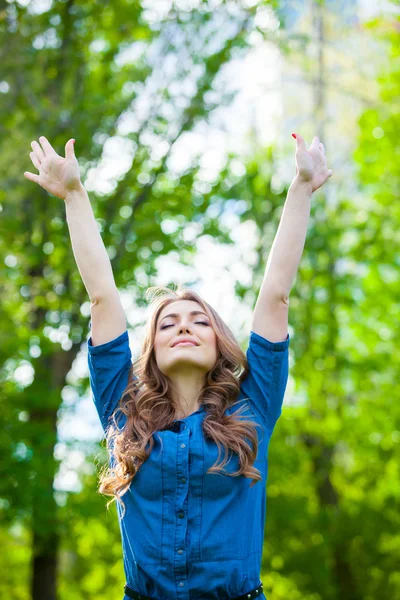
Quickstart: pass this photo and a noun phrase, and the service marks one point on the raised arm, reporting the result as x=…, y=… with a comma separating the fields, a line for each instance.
x=90, y=253
x=107, y=314
x=270, y=317
x=61, y=177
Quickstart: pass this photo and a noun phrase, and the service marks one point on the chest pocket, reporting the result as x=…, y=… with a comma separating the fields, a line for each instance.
x=230, y=527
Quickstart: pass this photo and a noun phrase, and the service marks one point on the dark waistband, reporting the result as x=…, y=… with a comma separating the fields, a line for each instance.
x=248, y=596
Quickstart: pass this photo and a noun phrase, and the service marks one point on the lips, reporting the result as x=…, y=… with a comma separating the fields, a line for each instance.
x=185, y=341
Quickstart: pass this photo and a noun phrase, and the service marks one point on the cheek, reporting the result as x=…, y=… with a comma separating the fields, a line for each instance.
x=158, y=339
x=160, y=344
x=213, y=337
x=212, y=342
x=157, y=344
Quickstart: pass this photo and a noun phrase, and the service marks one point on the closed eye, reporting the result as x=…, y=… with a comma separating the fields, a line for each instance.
x=196, y=322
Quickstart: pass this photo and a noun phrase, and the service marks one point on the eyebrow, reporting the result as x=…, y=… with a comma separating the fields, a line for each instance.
x=193, y=312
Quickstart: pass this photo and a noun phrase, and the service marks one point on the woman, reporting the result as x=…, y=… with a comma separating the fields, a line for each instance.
x=192, y=527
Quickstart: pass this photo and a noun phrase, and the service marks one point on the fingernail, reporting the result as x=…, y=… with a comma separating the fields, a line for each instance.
x=294, y=135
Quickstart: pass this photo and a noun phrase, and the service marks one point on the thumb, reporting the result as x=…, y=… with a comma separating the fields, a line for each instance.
x=300, y=143
x=69, y=149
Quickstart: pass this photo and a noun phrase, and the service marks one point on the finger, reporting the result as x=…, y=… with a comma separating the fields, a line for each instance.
x=315, y=142
x=38, y=151
x=35, y=160
x=69, y=149
x=31, y=176
x=322, y=147
x=47, y=147
x=300, y=143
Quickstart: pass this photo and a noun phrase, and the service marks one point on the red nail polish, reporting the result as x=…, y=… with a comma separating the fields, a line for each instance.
x=294, y=135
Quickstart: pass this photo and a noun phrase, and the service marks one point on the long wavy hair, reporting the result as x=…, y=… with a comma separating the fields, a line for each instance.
x=149, y=407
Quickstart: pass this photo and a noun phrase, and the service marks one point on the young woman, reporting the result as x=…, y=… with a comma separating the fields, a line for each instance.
x=192, y=526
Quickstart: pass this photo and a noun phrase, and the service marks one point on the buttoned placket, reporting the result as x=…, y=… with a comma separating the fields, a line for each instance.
x=182, y=475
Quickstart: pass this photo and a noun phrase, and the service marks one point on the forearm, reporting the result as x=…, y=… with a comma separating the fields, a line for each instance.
x=288, y=245
x=89, y=251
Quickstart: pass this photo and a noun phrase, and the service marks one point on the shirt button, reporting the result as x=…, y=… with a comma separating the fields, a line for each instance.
x=183, y=445
x=183, y=480
x=180, y=551
x=181, y=584
x=181, y=514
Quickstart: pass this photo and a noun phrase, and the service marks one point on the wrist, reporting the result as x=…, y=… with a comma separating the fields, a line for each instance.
x=75, y=193
x=301, y=184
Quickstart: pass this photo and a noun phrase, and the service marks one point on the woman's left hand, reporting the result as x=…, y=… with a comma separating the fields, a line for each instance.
x=311, y=164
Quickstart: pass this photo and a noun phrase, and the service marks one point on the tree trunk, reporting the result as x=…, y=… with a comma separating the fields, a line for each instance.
x=44, y=566
x=43, y=438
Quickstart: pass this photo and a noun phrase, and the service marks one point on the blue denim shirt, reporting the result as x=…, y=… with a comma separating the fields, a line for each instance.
x=187, y=534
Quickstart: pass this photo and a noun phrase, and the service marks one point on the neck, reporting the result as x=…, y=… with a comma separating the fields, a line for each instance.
x=185, y=390
x=182, y=414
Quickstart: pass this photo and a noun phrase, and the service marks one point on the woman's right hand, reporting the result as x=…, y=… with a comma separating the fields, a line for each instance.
x=57, y=175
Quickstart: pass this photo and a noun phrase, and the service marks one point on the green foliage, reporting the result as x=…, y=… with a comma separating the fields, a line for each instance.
x=90, y=553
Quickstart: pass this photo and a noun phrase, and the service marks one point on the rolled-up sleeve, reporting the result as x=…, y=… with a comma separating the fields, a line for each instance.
x=109, y=366
x=265, y=384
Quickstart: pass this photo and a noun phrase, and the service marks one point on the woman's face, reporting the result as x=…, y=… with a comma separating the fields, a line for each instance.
x=177, y=359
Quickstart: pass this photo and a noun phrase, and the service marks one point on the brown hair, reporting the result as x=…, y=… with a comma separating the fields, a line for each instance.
x=149, y=407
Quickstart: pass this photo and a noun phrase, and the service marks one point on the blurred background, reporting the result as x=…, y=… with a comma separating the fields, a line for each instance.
x=182, y=111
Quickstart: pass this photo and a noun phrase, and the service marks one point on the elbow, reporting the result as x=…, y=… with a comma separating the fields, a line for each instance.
x=281, y=295
x=285, y=299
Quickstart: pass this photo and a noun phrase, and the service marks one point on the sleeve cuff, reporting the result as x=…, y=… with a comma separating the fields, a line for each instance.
x=274, y=346
x=108, y=345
